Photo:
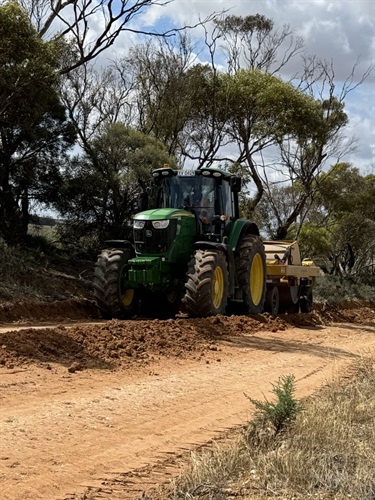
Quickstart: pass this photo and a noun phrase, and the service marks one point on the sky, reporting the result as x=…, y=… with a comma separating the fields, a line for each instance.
x=341, y=31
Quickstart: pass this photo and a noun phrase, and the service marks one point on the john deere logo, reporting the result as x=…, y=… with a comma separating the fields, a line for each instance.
x=148, y=233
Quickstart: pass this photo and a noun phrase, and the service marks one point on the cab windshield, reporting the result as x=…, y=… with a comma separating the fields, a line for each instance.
x=187, y=192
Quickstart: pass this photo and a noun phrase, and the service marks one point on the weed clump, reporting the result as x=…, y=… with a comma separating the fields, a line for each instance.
x=281, y=412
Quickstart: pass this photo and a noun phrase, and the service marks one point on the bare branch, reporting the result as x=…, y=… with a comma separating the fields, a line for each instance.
x=72, y=21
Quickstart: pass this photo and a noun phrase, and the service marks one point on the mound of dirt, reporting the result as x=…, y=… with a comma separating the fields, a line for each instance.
x=122, y=344
x=119, y=344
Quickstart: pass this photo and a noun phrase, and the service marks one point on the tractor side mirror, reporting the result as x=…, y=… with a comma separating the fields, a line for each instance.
x=142, y=202
x=235, y=183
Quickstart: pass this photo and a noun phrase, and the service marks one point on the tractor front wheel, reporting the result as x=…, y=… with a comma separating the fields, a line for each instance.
x=110, y=298
x=206, y=287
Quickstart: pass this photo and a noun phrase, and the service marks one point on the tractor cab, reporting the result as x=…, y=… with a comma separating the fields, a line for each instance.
x=210, y=194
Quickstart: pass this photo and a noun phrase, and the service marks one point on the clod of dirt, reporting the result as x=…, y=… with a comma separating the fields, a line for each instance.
x=74, y=367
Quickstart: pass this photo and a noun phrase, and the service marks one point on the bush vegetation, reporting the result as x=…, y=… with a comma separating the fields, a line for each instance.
x=333, y=289
x=33, y=272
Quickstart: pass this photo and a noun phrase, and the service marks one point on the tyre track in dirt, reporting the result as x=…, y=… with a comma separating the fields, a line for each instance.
x=110, y=427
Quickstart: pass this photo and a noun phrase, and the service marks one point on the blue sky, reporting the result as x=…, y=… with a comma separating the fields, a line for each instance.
x=342, y=31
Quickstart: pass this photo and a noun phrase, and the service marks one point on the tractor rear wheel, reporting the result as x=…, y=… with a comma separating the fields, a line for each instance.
x=111, y=300
x=206, y=287
x=251, y=274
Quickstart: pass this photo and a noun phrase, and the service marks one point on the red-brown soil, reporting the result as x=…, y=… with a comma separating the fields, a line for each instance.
x=97, y=409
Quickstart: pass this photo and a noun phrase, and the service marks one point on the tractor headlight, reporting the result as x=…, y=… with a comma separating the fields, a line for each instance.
x=160, y=224
x=139, y=224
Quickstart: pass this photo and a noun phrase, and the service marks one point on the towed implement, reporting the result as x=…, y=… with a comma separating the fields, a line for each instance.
x=290, y=279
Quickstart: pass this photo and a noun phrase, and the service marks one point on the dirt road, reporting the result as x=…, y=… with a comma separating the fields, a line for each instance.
x=100, y=410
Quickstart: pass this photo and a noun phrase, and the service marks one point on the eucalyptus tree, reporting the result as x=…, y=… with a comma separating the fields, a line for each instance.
x=339, y=229
x=299, y=155
x=252, y=42
x=101, y=186
x=95, y=98
x=262, y=110
x=34, y=130
x=301, y=158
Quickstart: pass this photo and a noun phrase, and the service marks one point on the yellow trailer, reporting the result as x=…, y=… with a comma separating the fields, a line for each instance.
x=290, y=279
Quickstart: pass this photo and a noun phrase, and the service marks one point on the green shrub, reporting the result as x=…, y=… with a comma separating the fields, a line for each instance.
x=281, y=412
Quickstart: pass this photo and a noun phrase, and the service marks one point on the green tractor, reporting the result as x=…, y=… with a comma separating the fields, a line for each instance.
x=192, y=253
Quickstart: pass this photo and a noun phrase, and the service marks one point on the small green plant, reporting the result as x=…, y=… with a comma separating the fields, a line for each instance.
x=281, y=412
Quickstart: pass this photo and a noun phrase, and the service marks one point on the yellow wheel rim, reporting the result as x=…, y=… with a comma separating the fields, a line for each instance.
x=127, y=297
x=217, y=287
x=256, y=279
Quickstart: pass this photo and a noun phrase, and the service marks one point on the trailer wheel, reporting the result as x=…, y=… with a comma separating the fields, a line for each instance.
x=306, y=300
x=251, y=274
x=289, y=299
x=111, y=300
x=272, y=300
x=206, y=287
x=293, y=308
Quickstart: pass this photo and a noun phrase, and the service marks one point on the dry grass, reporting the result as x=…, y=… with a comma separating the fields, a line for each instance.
x=331, y=447
x=328, y=453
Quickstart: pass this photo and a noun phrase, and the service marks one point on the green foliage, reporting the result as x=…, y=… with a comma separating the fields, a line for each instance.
x=281, y=412
x=336, y=224
x=33, y=127
x=27, y=73
x=267, y=107
x=315, y=240
x=335, y=290
x=243, y=25
x=101, y=188
x=277, y=206
x=339, y=231
x=174, y=95
x=330, y=453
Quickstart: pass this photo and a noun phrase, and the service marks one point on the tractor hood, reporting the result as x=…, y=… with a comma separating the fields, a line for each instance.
x=162, y=214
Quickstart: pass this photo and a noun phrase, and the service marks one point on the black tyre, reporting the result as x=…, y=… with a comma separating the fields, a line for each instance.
x=111, y=300
x=160, y=305
x=306, y=300
x=293, y=308
x=251, y=274
x=289, y=299
x=272, y=300
x=206, y=287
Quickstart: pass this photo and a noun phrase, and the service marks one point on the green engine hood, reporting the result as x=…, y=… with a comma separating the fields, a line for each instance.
x=162, y=214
